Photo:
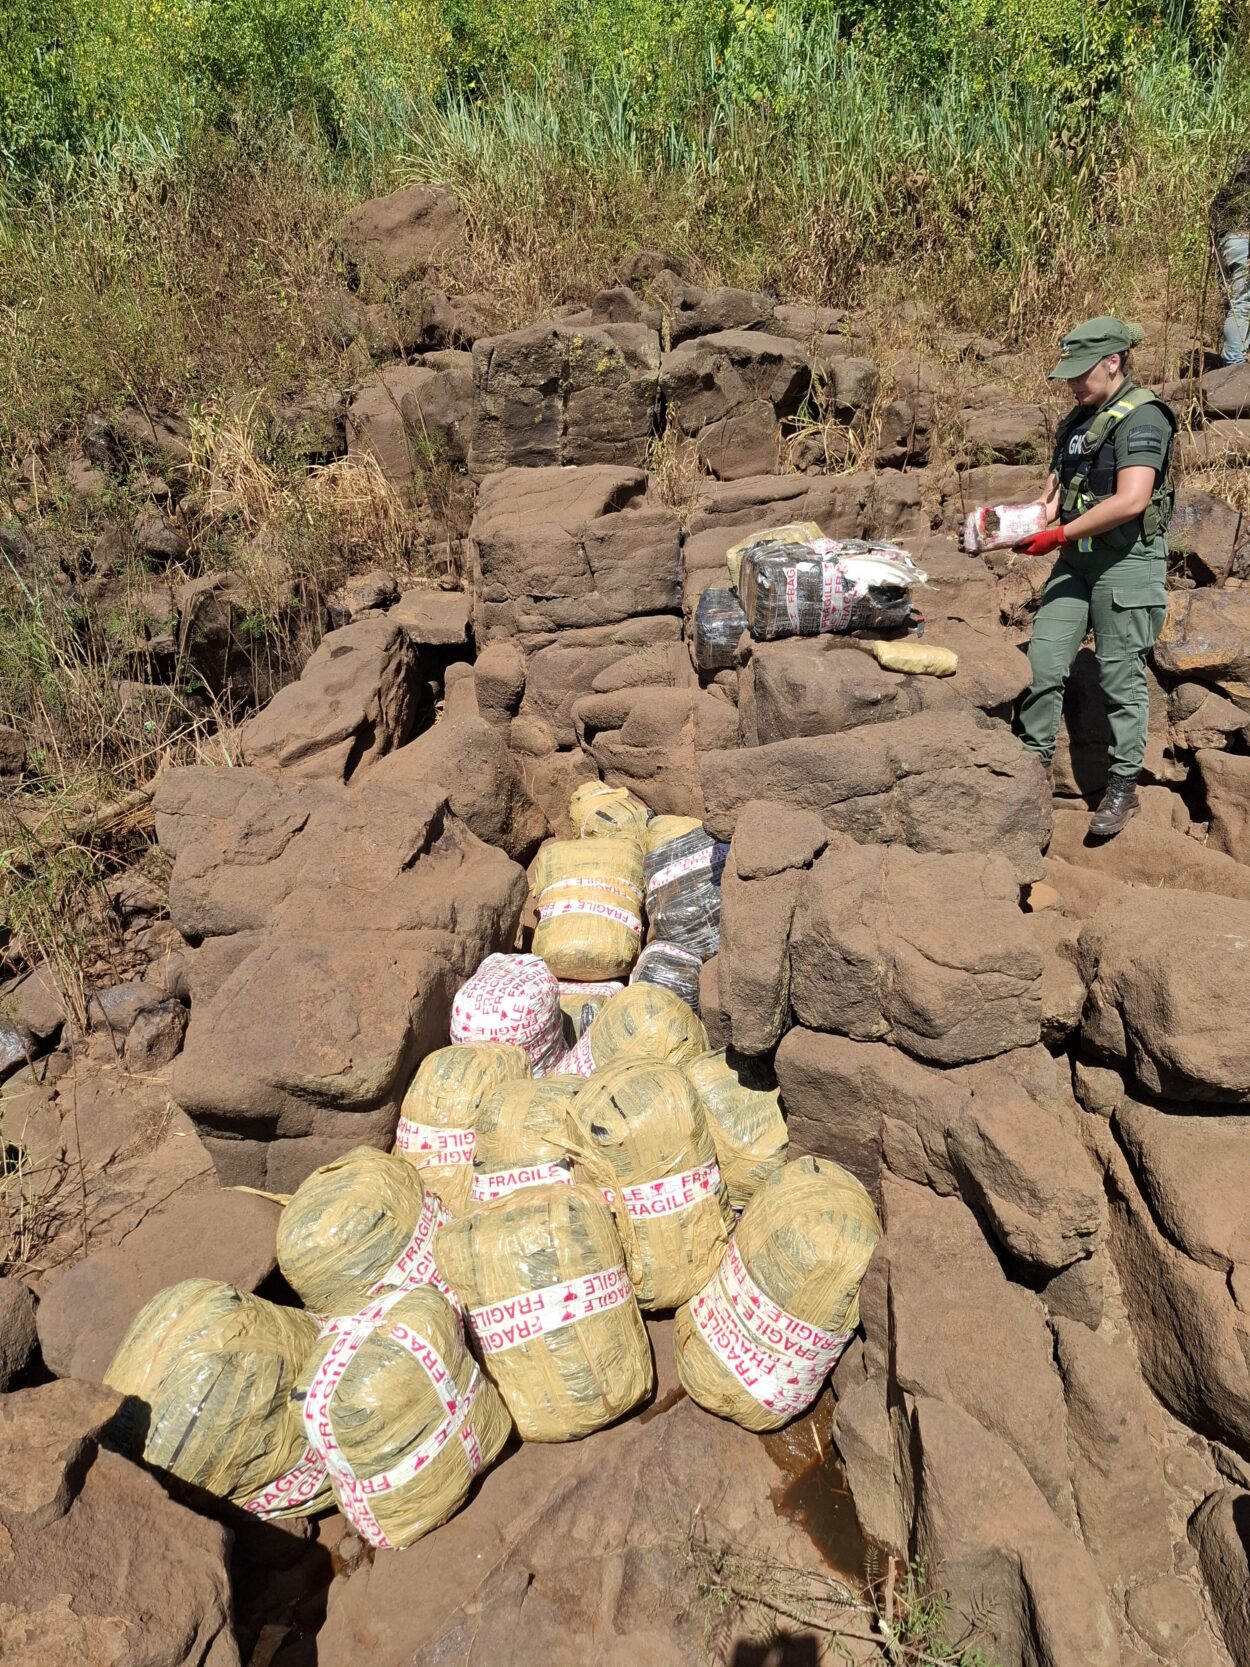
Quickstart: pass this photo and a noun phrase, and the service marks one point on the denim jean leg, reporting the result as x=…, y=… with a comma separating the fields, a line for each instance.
x=1235, y=259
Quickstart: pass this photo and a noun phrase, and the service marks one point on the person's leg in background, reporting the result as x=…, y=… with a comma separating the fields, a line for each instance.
x=1235, y=262
x=1061, y=624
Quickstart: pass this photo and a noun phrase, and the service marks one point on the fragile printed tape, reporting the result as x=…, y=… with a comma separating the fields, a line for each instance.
x=671, y=1193
x=500, y=1183
x=497, y=1326
x=293, y=1489
x=434, y=1148
x=780, y=1360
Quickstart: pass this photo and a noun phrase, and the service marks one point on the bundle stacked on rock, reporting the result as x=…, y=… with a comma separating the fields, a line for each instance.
x=523, y=1138
x=356, y=1228
x=672, y=968
x=757, y=1343
x=589, y=898
x=643, y=1022
x=438, y=1118
x=513, y=999
x=718, y=624
x=208, y=1372
x=805, y=590
x=683, y=880
x=794, y=532
x=581, y=1001
x=645, y=1140
x=550, y=1309
x=596, y=809
x=401, y=1415
x=999, y=526
x=742, y=1106
x=917, y=659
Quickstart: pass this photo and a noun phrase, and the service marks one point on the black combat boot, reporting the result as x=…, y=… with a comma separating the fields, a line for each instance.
x=1119, y=802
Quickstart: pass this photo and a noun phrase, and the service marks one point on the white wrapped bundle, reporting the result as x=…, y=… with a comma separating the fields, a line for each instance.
x=999, y=526
x=515, y=999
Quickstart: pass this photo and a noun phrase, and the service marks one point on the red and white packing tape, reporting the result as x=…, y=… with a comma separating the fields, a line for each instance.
x=497, y=1326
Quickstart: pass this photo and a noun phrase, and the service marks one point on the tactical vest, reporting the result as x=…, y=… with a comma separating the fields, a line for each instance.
x=1093, y=479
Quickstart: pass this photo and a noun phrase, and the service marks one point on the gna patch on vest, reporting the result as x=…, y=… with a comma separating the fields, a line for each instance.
x=1147, y=440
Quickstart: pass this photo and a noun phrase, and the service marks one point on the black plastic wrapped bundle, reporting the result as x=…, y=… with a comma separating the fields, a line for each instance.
x=805, y=590
x=683, y=892
x=672, y=967
x=718, y=623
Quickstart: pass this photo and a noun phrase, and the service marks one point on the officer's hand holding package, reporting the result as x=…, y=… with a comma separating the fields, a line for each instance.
x=1109, y=488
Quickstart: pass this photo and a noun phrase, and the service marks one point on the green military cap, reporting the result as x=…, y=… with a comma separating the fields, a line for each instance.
x=1083, y=347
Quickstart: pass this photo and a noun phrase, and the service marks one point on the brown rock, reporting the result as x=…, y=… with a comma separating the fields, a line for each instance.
x=116, y=1007
x=1192, y=1340
x=1198, y=717
x=460, y=692
x=691, y=311
x=1226, y=440
x=1007, y=434
x=412, y=418
x=316, y=1036
x=1220, y=1529
x=1117, y=1475
x=85, y=1311
x=824, y=685
x=929, y=952
x=434, y=618
x=565, y=667
x=649, y=740
x=19, y=1340
x=754, y=956
x=1206, y=634
x=158, y=537
x=771, y=838
x=499, y=683
x=260, y=854
x=707, y=378
x=1195, y=1174
x=1226, y=392
x=980, y=1519
x=71, y=1511
x=156, y=1036
x=743, y=443
x=1166, y=1613
x=946, y=1285
x=213, y=639
x=1166, y=972
x=560, y=393
x=1209, y=533
x=556, y=548
x=715, y=1021
x=465, y=759
x=356, y=698
x=1225, y=780
x=403, y=233
x=1145, y=857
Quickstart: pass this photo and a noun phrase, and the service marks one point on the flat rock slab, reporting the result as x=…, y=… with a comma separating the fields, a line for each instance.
x=936, y=782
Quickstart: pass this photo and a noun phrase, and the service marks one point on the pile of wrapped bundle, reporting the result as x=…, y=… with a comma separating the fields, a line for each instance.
x=645, y=1021
x=356, y=1229
x=550, y=1309
x=742, y=1106
x=515, y=1000
x=208, y=1373
x=438, y=1119
x=400, y=1414
x=524, y=1138
x=588, y=894
x=794, y=582
x=758, y=1341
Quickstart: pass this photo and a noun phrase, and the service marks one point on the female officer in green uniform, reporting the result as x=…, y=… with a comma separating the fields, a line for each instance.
x=1108, y=486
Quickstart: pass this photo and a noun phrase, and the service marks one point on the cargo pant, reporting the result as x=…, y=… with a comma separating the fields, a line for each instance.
x=1124, y=599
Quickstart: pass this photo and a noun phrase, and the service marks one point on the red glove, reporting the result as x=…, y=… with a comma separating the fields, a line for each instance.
x=1041, y=544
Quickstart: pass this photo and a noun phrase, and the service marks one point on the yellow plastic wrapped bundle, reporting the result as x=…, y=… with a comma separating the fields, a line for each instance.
x=523, y=1138
x=919, y=658
x=589, y=898
x=758, y=1342
x=645, y=1140
x=662, y=830
x=596, y=809
x=794, y=532
x=645, y=1021
x=358, y=1227
x=401, y=1415
x=438, y=1119
x=581, y=1002
x=209, y=1371
x=550, y=1309
x=743, y=1109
